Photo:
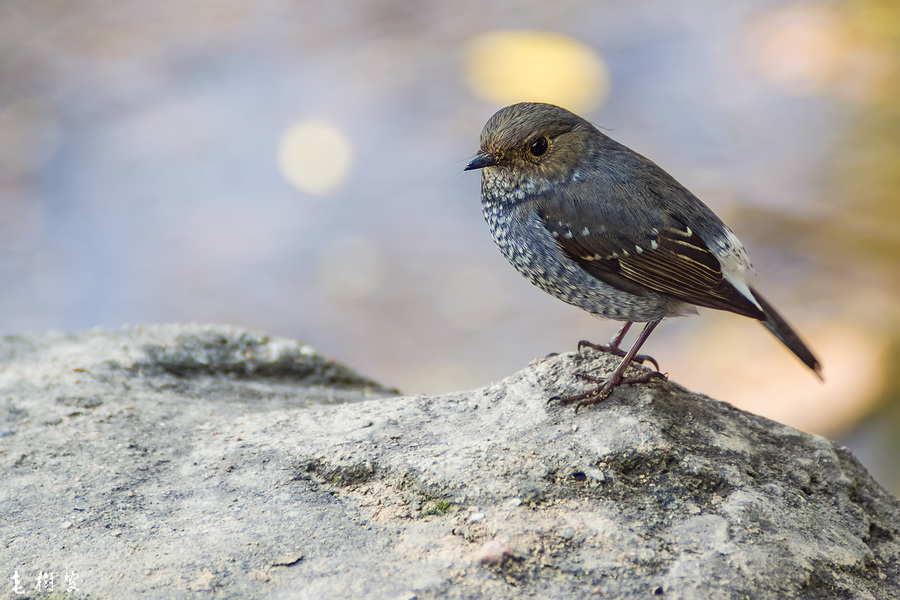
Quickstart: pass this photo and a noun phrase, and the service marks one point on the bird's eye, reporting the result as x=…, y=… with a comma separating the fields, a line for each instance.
x=539, y=146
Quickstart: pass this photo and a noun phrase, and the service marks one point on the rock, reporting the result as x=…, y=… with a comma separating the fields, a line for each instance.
x=175, y=460
x=493, y=553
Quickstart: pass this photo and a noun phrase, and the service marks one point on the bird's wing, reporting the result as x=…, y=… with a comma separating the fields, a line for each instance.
x=668, y=258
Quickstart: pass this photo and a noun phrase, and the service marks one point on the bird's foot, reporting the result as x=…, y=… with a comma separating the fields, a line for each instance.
x=616, y=351
x=604, y=388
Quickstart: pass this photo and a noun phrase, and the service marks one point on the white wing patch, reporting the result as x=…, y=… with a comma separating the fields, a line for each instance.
x=735, y=264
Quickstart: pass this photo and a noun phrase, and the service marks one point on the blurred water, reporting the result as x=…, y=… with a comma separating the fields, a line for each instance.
x=139, y=181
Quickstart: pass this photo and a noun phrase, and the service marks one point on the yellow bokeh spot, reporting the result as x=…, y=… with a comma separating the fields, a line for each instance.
x=314, y=157
x=514, y=66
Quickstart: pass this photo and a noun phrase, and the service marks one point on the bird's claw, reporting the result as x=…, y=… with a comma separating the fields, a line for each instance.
x=605, y=387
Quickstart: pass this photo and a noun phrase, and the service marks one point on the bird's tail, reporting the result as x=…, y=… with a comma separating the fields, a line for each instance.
x=776, y=324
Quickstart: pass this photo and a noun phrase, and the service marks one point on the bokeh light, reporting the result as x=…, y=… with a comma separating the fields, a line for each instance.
x=314, y=156
x=853, y=366
x=505, y=67
x=805, y=48
x=800, y=47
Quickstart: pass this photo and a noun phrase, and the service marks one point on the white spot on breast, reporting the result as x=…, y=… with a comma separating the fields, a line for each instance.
x=585, y=231
x=638, y=249
x=568, y=234
x=654, y=244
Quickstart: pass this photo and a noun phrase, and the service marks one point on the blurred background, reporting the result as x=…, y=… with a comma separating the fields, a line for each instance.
x=296, y=167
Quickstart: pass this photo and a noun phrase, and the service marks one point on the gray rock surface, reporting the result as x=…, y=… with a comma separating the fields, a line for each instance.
x=209, y=462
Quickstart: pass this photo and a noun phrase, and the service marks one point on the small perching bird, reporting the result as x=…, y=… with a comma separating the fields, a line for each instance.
x=603, y=228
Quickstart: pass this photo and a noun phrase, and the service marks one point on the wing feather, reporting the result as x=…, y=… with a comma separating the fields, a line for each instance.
x=670, y=259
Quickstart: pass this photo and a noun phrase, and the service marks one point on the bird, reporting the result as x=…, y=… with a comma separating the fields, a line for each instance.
x=603, y=228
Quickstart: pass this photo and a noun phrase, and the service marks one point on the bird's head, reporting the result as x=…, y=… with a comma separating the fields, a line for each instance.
x=532, y=141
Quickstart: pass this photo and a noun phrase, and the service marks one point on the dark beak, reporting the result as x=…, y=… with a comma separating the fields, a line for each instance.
x=481, y=161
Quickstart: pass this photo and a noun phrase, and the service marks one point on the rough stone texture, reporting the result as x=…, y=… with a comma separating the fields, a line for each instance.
x=210, y=462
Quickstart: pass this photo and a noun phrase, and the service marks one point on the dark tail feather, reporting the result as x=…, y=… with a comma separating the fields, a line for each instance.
x=787, y=336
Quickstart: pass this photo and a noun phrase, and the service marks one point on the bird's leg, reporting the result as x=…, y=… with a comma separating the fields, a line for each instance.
x=605, y=387
x=613, y=346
